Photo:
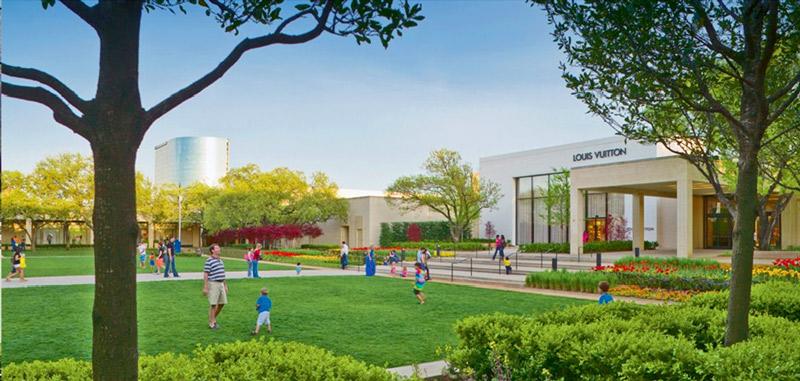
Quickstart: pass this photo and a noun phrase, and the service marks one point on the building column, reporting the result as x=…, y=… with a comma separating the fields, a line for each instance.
x=684, y=236
x=638, y=222
x=150, y=232
x=577, y=223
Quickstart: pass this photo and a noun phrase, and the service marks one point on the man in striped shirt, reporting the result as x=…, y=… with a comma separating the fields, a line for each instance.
x=214, y=285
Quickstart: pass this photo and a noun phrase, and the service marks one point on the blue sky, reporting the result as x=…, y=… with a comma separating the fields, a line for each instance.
x=479, y=77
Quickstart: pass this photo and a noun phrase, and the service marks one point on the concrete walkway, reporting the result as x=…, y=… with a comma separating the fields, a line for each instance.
x=89, y=279
x=424, y=370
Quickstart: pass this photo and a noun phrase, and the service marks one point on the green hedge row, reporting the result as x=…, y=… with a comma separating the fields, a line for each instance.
x=623, y=341
x=776, y=298
x=323, y=247
x=582, y=281
x=588, y=248
x=431, y=246
x=394, y=232
x=251, y=360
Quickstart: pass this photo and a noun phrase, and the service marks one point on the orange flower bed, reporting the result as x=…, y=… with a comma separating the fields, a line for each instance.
x=652, y=293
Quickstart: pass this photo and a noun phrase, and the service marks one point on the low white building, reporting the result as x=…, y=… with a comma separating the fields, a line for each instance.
x=367, y=210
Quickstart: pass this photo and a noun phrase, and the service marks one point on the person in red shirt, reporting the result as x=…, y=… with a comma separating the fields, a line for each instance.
x=256, y=256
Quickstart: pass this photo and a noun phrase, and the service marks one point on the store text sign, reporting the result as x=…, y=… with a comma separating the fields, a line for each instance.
x=586, y=156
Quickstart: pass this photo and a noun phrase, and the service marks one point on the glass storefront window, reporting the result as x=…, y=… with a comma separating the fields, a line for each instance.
x=533, y=216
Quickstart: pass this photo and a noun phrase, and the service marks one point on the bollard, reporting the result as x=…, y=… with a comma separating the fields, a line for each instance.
x=636, y=252
x=438, y=250
x=555, y=264
x=470, y=267
x=599, y=260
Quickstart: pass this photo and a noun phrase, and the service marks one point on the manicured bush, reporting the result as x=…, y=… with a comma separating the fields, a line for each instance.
x=394, y=232
x=610, y=246
x=569, y=281
x=544, y=248
x=774, y=298
x=251, y=360
x=670, y=261
x=431, y=246
x=321, y=247
x=622, y=341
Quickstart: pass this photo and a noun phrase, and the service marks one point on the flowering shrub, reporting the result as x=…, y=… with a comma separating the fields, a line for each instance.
x=652, y=293
x=669, y=275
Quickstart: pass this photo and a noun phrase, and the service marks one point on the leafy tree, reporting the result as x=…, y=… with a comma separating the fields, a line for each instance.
x=68, y=180
x=19, y=203
x=639, y=63
x=489, y=229
x=249, y=197
x=414, y=233
x=114, y=121
x=449, y=187
x=556, y=199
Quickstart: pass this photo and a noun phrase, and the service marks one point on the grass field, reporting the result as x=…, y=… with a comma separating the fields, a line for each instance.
x=60, y=262
x=373, y=319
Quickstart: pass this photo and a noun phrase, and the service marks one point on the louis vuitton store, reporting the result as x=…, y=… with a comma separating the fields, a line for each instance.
x=617, y=190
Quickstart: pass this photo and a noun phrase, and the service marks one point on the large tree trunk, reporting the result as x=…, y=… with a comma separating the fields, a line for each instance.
x=737, y=327
x=117, y=130
x=114, y=344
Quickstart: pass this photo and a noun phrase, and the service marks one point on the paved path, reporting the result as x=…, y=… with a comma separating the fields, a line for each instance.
x=424, y=370
x=89, y=279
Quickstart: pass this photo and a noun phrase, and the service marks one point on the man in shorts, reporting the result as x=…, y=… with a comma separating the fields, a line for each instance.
x=214, y=285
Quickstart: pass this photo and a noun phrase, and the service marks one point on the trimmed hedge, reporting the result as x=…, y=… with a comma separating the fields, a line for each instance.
x=774, y=298
x=623, y=341
x=251, y=360
x=322, y=247
x=588, y=248
x=431, y=246
x=394, y=232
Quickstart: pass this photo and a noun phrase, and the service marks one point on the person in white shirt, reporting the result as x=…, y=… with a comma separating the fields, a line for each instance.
x=343, y=255
x=142, y=249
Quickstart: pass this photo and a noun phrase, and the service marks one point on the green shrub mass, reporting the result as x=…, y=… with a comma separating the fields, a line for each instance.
x=588, y=248
x=624, y=341
x=323, y=247
x=464, y=246
x=393, y=232
x=250, y=360
x=776, y=298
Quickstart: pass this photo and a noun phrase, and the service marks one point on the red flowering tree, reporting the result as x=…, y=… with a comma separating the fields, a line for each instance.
x=414, y=233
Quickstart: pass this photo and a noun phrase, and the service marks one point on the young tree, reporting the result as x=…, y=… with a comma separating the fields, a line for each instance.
x=556, y=200
x=489, y=230
x=414, y=233
x=638, y=63
x=114, y=121
x=449, y=187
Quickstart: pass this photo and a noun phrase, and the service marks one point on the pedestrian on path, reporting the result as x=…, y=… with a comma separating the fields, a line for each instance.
x=248, y=257
x=343, y=253
x=16, y=266
x=502, y=246
x=255, y=257
x=214, y=285
x=263, y=306
x=142, y=249
x=170, y=259
x=496, y=246
x=369, y=262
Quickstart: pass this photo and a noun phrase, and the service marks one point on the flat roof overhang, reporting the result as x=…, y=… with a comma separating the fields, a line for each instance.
x=656, y=177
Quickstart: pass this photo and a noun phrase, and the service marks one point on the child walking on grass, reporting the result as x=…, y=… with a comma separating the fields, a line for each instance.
x=263, y=306
x=419, y=283
x=298, y=268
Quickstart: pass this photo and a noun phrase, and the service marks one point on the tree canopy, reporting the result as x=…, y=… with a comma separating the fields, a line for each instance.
x=726, y=69
x=449, y=187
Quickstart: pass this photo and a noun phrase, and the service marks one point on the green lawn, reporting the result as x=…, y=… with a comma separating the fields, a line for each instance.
x=84, y=265
x=373, y=319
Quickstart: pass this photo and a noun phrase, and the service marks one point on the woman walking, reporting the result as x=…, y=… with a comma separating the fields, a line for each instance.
x=369, y=262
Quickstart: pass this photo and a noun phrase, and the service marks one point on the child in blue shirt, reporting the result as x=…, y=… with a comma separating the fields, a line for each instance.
x=605, y=297
x=263, y=306
x=298, y=268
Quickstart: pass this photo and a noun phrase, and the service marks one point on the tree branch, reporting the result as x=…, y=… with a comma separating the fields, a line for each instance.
x=48, y=80
x=61, y=112
x=716, y=43
x=247, y=44
x=778, y=94
x=85, y=12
